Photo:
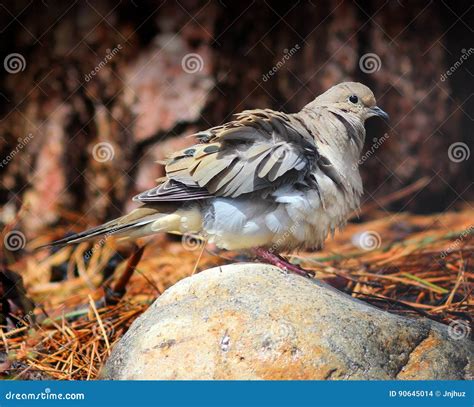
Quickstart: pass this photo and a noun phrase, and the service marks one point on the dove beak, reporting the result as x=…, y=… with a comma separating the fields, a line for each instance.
x=377, y=111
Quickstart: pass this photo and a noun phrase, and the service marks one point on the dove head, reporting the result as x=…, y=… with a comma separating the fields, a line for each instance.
x=351, y=98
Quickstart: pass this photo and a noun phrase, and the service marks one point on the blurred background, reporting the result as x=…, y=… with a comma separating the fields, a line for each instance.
x=92, y=93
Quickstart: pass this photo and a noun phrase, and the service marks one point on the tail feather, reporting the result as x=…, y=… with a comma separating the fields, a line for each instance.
x=134, y=219
x=87, y=235
x=140, y=222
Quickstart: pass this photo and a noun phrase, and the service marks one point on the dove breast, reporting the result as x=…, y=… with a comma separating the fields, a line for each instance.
x=288, y=219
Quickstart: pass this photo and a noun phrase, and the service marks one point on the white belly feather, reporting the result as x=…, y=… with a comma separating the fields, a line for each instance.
x=292, y=219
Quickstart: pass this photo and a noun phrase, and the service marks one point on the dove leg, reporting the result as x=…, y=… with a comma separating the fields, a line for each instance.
x=280, y=262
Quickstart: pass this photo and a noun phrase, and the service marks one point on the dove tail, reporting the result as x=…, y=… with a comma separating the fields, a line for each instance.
x=138, y=223
x=107, y=229
x=91, y=234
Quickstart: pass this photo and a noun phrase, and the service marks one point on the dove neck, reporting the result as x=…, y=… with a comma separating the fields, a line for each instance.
x=339, y=136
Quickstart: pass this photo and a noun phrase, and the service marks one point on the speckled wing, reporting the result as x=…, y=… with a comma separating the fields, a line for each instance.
x=260, y=150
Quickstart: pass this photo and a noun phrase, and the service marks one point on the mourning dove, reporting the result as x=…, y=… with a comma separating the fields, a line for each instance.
x=268, y=181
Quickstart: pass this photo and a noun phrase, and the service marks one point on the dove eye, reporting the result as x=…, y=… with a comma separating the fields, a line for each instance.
x=353, y=99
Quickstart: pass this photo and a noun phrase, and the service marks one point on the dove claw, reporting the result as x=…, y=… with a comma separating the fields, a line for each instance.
x=280, y=262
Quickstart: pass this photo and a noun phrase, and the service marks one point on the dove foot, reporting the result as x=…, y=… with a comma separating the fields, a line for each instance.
x=280, y=262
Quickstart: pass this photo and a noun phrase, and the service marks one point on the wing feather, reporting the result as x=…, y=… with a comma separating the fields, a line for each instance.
x=261, y=149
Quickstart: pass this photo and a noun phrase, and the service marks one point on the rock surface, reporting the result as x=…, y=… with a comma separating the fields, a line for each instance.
x=252, y=321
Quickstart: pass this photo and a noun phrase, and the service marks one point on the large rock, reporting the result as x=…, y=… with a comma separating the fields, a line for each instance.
x=252, y=321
